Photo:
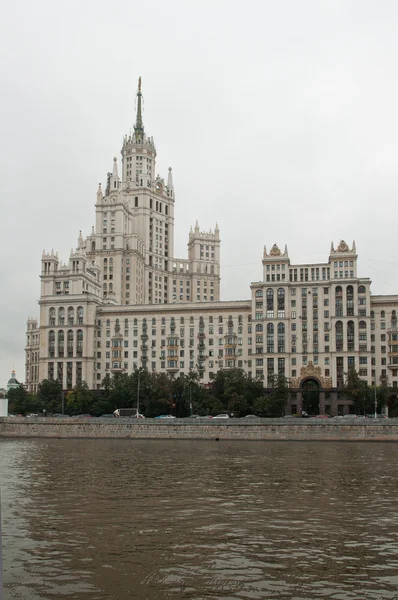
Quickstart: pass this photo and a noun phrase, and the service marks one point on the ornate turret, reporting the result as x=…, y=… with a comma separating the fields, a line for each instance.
x=275, y=264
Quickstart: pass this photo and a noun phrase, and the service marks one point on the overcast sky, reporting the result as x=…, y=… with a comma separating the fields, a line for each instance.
x=278, y=118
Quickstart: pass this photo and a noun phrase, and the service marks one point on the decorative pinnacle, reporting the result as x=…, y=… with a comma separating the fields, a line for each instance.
x=139, y=126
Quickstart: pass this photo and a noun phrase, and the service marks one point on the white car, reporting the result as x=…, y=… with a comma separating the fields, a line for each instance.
x=221, y=417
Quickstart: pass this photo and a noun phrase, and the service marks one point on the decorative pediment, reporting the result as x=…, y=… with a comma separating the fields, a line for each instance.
x=311, y=371
x=275, y=251
x=342, y=248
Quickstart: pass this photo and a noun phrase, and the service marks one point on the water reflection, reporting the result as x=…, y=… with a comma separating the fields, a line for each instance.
x=176, y=519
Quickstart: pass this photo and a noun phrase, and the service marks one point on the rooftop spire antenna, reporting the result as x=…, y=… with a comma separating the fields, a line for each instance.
x=139, y=126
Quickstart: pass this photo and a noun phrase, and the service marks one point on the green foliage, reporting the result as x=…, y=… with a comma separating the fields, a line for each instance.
x=79, y=400
x=49, y=395
x=22, y=403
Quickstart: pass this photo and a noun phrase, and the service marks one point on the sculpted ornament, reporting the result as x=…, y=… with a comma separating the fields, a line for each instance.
x=311, y=371
x=275, y=251
x=342, y=247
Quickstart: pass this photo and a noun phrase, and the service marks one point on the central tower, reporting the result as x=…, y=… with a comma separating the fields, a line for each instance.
x=133, y=239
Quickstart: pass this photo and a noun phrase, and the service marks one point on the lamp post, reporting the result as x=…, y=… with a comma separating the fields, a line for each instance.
x=138, y=395
x=375, y=393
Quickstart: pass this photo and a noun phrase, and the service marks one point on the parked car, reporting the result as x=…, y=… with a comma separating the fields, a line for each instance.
x=251, y=417
x=112, y=416
x=139, y=416
x=320, y=417
x=165, y=417
x=222, y=416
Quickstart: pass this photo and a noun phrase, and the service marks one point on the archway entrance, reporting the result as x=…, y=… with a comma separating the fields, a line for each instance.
x=310, y=390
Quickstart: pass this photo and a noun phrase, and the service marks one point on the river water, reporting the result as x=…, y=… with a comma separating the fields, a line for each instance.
x=154, y=520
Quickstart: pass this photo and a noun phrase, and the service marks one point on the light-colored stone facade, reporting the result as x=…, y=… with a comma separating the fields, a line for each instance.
x=124, y=301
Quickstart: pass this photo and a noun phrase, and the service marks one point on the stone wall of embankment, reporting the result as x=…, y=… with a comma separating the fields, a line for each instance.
x=233, y=429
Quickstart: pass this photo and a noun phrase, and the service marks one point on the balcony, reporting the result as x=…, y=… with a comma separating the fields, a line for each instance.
x=201, y=336
x=393, y=366
x=145, y=348
x=172, y=368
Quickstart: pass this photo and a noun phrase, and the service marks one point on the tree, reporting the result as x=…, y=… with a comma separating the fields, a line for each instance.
x=238, y=405
x=19, y=401
x=279, y=395
x=49, y=394
x=79, y=400
x=358, y=391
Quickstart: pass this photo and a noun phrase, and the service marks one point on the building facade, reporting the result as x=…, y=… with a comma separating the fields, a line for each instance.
x=124, y=302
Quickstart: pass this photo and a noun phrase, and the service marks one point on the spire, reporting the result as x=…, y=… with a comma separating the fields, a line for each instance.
x=115, y=174
x=170, y=185
x=139, y=126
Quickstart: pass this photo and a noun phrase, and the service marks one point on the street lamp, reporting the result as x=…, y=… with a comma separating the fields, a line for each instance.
x=138, y=395
x=375, y=393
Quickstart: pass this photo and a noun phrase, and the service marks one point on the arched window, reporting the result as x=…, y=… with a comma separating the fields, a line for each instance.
x=281, y=338
x=259, y=327
x=79, y=348
x=105, y=263
x=163, y=321
x=51, y=316
x=108, y=322
x=110, y=260
x=126, y=323
x=210, y=319
x=157, y=205
x=350, y=301
x=71, y=316
x=191, y=320
x=259, y=293
x=270, y=303
x=51, y=340
x=240, y=320
x=350, y=336
x=270, y=337
x=361, y=289
x=363, y=334
x=383, y=314
x=339, y=301
x=339, y=336
x=135, y=322
x=181, y=320
x=61, y=316
x=220, y=319
x=166, y=211
x=92, y=246
x=61, y=338
x=80, y=315
x=281, y=303
x=69, y=340
x=394, y=319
